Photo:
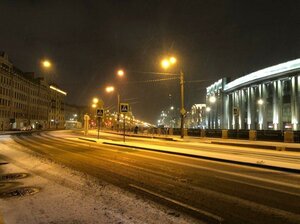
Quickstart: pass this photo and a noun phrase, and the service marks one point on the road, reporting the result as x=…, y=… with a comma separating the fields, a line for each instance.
x=210, y=191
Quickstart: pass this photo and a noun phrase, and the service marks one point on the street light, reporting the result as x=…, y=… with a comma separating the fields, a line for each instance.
x=110, y=89
x=97, y=104
x=120, y=73
x=95, y=100
x=46, y=63
x=166, y=63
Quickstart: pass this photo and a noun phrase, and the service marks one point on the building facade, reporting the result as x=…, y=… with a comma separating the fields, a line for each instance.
x=267, y=99
x=26, y=101
x=196, y=118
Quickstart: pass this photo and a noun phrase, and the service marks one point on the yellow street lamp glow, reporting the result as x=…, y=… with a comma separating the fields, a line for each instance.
x=165, y=63
x=109, y=89
x=94, y=105
x=173, y=60
x=207, y=109
x=120, y=73
x=95, y=100
x=46, y=64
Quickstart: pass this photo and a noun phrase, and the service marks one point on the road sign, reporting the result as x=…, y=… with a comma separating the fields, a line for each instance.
x=124, y=107
x=100, y=112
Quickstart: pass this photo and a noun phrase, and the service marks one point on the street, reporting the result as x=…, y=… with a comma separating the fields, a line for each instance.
x=203, y=190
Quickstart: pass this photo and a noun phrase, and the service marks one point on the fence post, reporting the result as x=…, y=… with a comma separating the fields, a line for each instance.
x=225, y=134
x=202, y=133
x=185, y=132
x=252, y=135
x=288, y=136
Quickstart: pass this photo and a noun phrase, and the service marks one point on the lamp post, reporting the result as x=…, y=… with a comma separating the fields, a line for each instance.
x=166, y=63
x=97, y=104
x=120, y=73
x=110, y=89
x=46, y=64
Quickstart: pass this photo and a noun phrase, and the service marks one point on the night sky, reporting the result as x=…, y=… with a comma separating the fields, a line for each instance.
x=87, y=41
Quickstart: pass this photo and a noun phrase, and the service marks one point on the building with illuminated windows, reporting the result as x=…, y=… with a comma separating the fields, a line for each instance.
x=268, y=99
x=26, y=101
x=196, y=116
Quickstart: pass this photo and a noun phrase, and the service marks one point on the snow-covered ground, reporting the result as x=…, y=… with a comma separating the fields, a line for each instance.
x=70, y=197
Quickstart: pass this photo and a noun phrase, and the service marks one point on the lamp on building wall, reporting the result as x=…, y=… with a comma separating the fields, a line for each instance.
x=212, y=99
x=260, y=101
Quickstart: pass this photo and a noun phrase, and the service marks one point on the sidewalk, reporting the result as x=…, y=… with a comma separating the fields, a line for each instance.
x=272, y=159
x=280, y=146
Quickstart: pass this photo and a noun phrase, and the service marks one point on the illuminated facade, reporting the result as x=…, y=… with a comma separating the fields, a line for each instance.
x=26, y=101
x=196, y=117
x=267, y=99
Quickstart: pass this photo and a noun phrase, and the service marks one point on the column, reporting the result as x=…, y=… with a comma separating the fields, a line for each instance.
x=260, y=108
x=249, y=108
x=294, y=105
x=226, y=112
x=277, y=105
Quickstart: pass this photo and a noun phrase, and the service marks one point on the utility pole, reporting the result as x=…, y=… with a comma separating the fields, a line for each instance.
x=182, y=110
x=118, y=116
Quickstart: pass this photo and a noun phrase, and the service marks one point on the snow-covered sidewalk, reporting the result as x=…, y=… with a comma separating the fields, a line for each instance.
x=264, y=158
x=69, y=197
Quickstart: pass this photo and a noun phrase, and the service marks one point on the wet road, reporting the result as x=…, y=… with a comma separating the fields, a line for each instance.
x=213, y=192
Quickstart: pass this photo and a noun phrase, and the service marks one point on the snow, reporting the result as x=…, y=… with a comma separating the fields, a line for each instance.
x=70, y=197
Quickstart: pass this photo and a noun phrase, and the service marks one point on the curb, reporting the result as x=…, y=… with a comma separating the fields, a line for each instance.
x=145, y=136
x=271, y=147
x=292, y=170
x=86, y=139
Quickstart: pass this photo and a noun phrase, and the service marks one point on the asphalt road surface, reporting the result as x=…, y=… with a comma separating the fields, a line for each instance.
x=213, y=192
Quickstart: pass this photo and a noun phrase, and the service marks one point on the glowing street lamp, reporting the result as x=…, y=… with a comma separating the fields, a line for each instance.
x=166, y=63
x=173, y=60
x=109, y=89
x=95, y=100
x=120, y=73
x=46, y=63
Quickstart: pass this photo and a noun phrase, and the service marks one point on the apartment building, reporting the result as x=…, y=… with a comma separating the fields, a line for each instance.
x=26, y=101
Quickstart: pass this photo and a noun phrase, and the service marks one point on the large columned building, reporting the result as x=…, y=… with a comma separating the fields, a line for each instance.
x=268, y=99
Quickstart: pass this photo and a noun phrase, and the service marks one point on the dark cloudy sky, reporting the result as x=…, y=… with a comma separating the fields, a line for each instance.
x=88, y=40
